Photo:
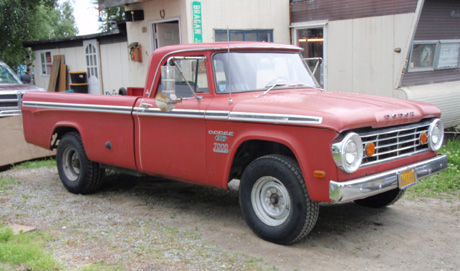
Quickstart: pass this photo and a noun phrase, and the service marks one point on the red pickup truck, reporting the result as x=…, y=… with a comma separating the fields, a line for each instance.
x=211, y=113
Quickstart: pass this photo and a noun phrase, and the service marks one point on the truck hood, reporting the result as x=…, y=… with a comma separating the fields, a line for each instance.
x=336, y=110
x=19, y=87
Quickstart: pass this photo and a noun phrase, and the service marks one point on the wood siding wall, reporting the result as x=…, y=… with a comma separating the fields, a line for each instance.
x=436, y=23
x=430, y=77
x=331, y=10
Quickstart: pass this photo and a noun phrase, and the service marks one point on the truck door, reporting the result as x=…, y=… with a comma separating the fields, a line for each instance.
x=173, y=144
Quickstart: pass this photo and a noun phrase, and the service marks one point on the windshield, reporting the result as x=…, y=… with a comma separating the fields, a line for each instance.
x=255, y=71
x=7, y=76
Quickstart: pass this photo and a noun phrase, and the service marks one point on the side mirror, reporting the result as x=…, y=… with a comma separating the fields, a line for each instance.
x=167, y=99
x=25, y=78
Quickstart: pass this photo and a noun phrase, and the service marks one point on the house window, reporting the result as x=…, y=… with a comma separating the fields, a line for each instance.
x=244, y=35
x=434, y=55
x=311, y=40
x=449, y=54
x=91, y=60
x=46, y=62
x=422, y=56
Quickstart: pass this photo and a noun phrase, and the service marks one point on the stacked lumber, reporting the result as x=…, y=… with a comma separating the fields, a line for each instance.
x=58, y=77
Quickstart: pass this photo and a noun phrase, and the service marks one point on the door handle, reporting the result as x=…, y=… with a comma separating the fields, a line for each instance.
x=145, y=106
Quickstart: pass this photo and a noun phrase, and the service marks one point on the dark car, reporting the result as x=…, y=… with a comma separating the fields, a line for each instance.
x=11, y=90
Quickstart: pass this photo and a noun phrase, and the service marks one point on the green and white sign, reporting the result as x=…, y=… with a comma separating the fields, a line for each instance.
x=197, y=22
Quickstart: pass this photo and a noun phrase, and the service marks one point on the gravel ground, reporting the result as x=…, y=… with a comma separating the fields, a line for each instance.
x=156, y=224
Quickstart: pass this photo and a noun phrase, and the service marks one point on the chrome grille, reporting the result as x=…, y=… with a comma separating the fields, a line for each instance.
x=396, y=142
x=10, y=103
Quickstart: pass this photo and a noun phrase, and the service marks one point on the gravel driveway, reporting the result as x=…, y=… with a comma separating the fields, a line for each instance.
x=156, y=224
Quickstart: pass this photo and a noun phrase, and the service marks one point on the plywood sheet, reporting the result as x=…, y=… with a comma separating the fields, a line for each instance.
x=15, y=149
x=54, y=73
x=58, y=77
x=62, y=79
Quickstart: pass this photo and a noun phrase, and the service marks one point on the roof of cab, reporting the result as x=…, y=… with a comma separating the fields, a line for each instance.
x=219, y=46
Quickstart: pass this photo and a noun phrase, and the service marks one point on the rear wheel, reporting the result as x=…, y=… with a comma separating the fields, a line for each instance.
x=78, y=174
x=382, y=200
x=275, y=201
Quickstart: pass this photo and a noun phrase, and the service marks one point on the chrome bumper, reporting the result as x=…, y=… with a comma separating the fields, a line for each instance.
x=341, y=192
x=11, y=112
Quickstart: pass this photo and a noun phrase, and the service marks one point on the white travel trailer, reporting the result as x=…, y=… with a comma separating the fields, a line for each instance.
x=407, y=49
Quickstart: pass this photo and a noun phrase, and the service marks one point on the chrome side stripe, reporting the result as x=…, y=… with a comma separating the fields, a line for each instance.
x=182, y=113
x=274, y=118
x=217, y=115
x=178, y=113
x=80, y=107
x=232, y=116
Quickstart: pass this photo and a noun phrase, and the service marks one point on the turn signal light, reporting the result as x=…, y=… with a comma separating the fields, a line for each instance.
x=319, y=174
x=423, y=138
x=370, y=149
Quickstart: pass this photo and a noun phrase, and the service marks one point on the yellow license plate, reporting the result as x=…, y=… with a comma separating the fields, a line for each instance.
x=407, y=178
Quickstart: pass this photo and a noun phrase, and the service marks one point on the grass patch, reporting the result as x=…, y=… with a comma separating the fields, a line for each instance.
x=100, y=266
x=446, y=183
x=25, y=250
x=6, y=183
x=50, y=162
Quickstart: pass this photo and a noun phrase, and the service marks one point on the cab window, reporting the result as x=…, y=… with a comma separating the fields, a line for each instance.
x=194, y=72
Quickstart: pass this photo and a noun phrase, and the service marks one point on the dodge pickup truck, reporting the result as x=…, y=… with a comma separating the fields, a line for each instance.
x=211, y=113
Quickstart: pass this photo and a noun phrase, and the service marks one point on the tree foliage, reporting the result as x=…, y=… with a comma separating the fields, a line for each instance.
x=32, y=20
x=109, y=14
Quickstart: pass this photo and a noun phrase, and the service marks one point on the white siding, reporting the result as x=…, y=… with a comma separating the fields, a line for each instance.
x=74, y=59
x=242, y=15
x=115, y=66
x=216, y=14
x=361, y=56
x=444, y=95
x=139, y=31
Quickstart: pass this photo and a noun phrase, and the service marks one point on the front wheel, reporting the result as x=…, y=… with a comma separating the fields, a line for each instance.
x=78, y=174
x=275, y=201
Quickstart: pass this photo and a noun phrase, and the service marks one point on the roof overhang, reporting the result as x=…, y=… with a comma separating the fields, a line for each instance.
x=116, y=3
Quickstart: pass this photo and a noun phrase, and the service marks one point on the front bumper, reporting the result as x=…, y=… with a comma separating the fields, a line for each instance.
x=341, y=192
x=10, y=112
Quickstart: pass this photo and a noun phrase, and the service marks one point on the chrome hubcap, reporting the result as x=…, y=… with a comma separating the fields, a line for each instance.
x=71, y=164
x=270, y=201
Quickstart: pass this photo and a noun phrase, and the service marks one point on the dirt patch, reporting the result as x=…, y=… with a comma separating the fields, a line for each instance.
x=155, y=224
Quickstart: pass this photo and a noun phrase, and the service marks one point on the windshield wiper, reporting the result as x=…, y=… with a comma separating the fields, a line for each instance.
x=272, y=86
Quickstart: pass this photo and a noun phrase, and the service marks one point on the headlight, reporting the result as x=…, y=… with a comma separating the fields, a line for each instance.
x=348, y=153
x=435, y=135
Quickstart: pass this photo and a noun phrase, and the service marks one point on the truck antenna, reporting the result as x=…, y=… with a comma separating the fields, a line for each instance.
x=230, y=101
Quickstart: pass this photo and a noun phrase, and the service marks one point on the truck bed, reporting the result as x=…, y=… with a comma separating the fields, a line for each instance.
x=105, y=122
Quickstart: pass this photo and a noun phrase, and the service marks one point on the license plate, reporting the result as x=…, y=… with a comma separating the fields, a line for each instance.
x=407, y=178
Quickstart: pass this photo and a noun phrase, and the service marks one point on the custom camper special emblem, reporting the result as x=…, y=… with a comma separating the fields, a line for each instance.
x=220, y=147
x=220, y=136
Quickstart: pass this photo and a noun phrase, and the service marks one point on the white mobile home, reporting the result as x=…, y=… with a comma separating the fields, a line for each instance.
x=408, y=49
x=103, y=56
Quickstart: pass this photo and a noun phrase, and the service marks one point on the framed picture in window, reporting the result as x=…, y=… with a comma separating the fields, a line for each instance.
x=423, y=56
x=449, y=54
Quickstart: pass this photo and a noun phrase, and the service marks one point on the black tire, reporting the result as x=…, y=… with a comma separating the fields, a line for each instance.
x=382, y=200
x=78, y=174
x=274, y=200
